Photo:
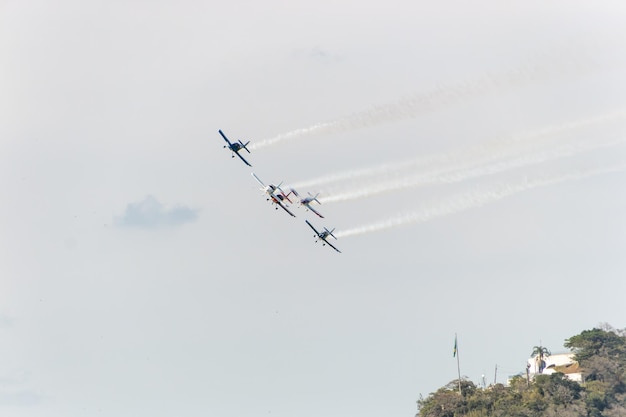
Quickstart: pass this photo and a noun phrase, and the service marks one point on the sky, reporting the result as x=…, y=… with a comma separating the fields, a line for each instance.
x=471, y=157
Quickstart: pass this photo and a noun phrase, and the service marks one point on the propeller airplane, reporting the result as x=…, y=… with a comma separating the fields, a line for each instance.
x=323, y=236
x=275, y=194
x=235, y=147
x=306, y=202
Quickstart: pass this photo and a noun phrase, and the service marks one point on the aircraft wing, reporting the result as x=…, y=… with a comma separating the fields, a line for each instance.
x=258, y=179
x=311, y=226
x=314, y=211
x=225, y=138
x=331, y=245
x=242, y=158
x=285, y=208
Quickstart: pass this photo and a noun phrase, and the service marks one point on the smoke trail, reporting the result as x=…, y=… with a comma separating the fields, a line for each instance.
x=384, y=169
x=454, y=176
x=476, y=199
x=466, y=157
x=440, y=96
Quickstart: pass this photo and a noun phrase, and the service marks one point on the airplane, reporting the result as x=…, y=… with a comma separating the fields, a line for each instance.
x=306, y=202
x=236, y=147
x=275, y=194
x=323, y=236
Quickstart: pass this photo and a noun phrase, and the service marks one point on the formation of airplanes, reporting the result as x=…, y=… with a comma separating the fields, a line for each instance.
x=276, y=196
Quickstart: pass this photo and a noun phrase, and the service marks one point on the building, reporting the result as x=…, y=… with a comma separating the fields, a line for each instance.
x=558, y=362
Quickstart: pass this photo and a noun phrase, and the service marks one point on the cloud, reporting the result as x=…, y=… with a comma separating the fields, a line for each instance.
x=14, y=390
x=150, y=213
x=20, y=398
x=5, y=321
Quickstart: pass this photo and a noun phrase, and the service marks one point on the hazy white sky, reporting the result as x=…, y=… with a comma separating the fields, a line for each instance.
x=143, y=274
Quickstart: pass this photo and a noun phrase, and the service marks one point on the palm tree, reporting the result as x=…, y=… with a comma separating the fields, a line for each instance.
x=542, y=353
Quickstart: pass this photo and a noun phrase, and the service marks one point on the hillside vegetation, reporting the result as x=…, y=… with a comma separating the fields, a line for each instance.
x=601, y=354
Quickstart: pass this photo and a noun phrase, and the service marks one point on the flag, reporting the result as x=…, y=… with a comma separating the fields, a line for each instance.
x=454, y=351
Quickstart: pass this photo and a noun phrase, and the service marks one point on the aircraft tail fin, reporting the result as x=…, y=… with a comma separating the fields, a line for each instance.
x=286, y=196
x=243, y=145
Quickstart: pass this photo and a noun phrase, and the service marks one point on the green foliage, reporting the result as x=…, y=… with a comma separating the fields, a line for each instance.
x=602, y=356
x=597, y=342
x=595, y=398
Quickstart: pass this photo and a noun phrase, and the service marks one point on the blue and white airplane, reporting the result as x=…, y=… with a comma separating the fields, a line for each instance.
x=236, y=147
x=323, y=236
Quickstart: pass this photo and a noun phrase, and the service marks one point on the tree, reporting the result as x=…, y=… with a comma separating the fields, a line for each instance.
x=602, y=357
x=557, y=388
x=617, y=409
x=602, y=354
x=445, y=402
x=542, y=353
x=597, y=342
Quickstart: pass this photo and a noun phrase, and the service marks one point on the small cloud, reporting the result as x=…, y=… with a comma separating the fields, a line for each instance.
x=318, y=52
x=150, y=213
x=20, y=398
x=5, y=321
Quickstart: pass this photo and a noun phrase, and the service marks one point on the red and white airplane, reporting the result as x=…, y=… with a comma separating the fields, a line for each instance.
x=323, y=236
x=306, y=202
x=276, y=195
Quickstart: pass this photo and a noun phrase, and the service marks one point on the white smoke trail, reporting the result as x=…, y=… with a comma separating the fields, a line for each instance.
x=467, y=157
x=294, y=134
x=384, y=169
x=454, y=176
x=476, y=199
x=441, y=96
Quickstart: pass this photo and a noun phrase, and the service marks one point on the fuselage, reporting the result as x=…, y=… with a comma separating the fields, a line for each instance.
x=235, y=147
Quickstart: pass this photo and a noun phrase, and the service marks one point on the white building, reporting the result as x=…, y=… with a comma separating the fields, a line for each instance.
x=559, y=362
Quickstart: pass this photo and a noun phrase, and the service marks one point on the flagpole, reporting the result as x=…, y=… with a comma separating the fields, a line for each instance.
x=458, y=365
